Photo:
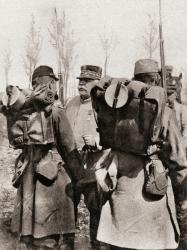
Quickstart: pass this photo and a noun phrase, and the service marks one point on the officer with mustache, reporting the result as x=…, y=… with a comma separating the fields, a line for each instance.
x=80, y=114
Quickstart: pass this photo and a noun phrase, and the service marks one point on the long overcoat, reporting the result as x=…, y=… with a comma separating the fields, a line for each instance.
x=131, y=218
x=42, y=210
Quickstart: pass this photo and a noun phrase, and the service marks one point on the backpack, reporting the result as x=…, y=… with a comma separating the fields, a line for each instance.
x=133, y=125
x=29, y=117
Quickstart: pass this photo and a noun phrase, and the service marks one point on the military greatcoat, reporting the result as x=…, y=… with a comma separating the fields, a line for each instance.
x=45, y=210
x=131, y=218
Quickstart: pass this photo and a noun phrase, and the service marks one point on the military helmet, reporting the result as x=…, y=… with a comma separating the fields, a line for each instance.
x=44, y=70
x=145, y=66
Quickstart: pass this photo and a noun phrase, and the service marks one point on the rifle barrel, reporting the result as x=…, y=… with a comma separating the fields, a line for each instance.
x=162, y=56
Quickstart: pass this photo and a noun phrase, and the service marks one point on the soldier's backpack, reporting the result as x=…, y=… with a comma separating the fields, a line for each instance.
x=29, y=120
x=128, y=114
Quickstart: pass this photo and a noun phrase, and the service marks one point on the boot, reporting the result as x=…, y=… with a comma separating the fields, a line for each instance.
x=67, y=246
x=67, y=242
x=25, y=246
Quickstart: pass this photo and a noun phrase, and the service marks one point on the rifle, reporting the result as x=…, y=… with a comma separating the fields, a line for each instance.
x=162, y=56
x=61, y=88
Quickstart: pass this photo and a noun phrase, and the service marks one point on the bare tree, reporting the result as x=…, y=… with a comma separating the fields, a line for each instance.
x=62, y=39
x=151, y=37
x=32, y=49
x=108, y=44
x=7, y=63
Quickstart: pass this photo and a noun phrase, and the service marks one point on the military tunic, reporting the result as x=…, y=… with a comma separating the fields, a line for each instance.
x=180, y=194
x=81, y=118
x=181, y=114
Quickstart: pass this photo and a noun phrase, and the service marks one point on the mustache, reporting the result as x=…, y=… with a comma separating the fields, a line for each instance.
x=82, y=88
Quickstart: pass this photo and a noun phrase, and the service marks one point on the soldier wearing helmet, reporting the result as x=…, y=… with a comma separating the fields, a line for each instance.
x=174, y=87
x=47, y=166
x=146, y=70
x=130, y=160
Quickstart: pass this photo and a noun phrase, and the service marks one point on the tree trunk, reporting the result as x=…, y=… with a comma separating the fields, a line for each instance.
x=6, y=77
x=150, y=53
x=105, y=65
x=61, y=88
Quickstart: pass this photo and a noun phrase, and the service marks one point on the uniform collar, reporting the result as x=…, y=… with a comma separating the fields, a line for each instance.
x=85, y=100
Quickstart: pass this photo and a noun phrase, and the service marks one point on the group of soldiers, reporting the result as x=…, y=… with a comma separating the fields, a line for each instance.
x=97, y=147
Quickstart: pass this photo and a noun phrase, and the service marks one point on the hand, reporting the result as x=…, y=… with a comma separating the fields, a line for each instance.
x=39, y=89
x=184, y=206
x=89, y=140
x=101, y=175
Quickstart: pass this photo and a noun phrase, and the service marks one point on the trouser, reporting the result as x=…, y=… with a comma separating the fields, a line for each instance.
x=77, y=198
x=182, y=219
x=93, y=204
x=48, y=243
x=94, y=223
x=181, y=208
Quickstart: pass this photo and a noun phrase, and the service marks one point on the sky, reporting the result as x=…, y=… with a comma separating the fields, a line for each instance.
x=126, y=19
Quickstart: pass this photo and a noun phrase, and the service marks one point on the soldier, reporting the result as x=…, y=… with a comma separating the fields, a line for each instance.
x=140, y=212
x=151, y=75
x=48, y=164
x=169, y=70
x=80, y=114
x=174, y=87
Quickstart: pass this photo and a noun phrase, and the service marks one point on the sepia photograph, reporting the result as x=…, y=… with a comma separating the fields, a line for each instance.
x=93, y=125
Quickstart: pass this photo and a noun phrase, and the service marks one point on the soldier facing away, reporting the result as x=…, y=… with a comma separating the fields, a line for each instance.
x=174, y=86
x=145, y=145
x=46, y=168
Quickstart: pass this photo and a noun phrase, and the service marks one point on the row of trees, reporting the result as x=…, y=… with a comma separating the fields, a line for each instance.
x=32, y=50
x=7, y=63
x=63, y=41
